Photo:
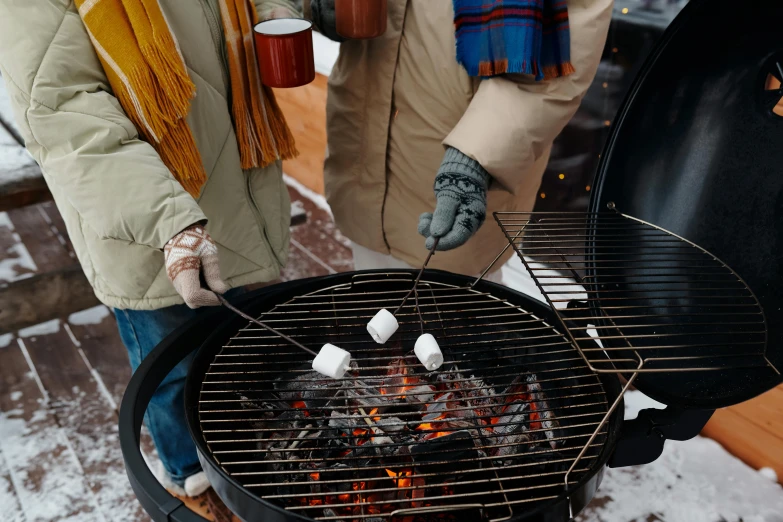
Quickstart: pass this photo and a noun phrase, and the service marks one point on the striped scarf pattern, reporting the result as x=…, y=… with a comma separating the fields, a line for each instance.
x=513, y=36
x=147, y=72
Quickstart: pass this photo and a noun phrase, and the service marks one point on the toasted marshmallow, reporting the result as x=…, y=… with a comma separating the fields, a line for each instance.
x=428, y=352
x=382, y=326
x=332, y=361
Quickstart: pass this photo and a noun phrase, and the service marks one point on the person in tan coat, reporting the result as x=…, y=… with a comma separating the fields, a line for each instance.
x=163, y=154
x=403, y=108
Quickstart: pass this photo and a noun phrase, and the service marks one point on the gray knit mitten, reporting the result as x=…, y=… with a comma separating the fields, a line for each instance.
x=322, y=14
x=461, y=194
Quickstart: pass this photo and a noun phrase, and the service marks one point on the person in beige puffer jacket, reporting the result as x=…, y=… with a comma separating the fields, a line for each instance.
x=401, y=109
x=121, y=204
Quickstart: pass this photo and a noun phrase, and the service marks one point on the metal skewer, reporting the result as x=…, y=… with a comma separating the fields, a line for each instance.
x=240, y=313
x=418, y=277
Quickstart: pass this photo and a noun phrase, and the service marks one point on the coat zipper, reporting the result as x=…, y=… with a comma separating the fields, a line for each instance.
x=260, y=218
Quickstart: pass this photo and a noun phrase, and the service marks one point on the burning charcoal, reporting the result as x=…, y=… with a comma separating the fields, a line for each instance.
x=544, y=413
x=420, y=394
x=481, y=396
x=513, y=444
x=438, y=407
x=364, y=396
x=514, y=417
x=331, y=514
x=344, y=422
x=381, y=440
x=267, y=409
x=390, y=424
x=398, y=380
x=444, y=453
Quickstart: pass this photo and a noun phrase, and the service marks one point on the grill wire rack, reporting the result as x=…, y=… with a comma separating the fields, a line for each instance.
x=245, y=404
x=654, y=301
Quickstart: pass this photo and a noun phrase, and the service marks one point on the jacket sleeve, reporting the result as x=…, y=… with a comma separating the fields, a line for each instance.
x=513, y=120
x=88, y=149
x=264, y=8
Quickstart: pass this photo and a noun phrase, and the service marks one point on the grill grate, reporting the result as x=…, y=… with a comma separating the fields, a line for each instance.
x=654, y=301
x=511, y=417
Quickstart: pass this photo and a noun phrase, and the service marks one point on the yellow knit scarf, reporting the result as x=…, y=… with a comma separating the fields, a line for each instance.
x=147, y=73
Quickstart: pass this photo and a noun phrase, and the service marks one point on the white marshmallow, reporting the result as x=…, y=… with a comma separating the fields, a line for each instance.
x=382, y=326
x=428, y=352
x=332, y=361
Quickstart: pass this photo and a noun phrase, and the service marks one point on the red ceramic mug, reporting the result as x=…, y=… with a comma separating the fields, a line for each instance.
x=284, y=48
x=360, y=19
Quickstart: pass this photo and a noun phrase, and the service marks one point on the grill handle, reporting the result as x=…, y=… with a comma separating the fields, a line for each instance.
x=641, y=439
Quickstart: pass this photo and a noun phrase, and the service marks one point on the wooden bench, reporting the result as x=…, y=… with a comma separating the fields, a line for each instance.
x=58, y=293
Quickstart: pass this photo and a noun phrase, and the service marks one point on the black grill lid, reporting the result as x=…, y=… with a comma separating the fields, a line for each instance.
x=698, y=149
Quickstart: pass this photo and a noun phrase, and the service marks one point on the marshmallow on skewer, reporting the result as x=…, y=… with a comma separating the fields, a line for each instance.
x=382, y=326
x=332, y=361
x=428, y=352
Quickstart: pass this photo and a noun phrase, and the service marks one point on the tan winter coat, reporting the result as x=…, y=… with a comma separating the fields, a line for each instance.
x=119, y=202
x=395, y=101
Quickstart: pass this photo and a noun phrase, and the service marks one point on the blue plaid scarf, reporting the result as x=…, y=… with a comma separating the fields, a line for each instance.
x=513, y=36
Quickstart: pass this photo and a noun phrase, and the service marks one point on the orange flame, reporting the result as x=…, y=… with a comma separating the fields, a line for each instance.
x=300, y=405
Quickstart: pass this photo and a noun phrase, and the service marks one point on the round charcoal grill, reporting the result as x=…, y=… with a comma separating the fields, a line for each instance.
x=496, y=431
x=525, y=414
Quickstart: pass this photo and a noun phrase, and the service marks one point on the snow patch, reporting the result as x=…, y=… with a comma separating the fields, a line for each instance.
x=10, y=504
x=6, y=339
x=46, y=476
x=636, y=401
x=93, y=315
x=15, y=396
x=316, y=198
x=17, y=264
x=5, y=221
x=517, y=277
x=769, y=473
x=693, y=481
x=47, y=328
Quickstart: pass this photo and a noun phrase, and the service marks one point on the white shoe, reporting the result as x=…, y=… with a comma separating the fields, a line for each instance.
x=194, y=485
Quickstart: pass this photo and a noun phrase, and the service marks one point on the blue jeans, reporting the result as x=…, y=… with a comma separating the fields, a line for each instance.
x=141, y=331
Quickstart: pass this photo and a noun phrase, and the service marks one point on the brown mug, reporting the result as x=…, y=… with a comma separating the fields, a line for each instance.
x=284, y=48
x=360, y=19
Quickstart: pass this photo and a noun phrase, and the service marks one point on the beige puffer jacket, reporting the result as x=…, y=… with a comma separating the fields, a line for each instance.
x=118, y=200
x=395, y=101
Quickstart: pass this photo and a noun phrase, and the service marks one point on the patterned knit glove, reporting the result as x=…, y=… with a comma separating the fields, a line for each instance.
x=461, y=194
x=322, y=14
x=187, y=254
